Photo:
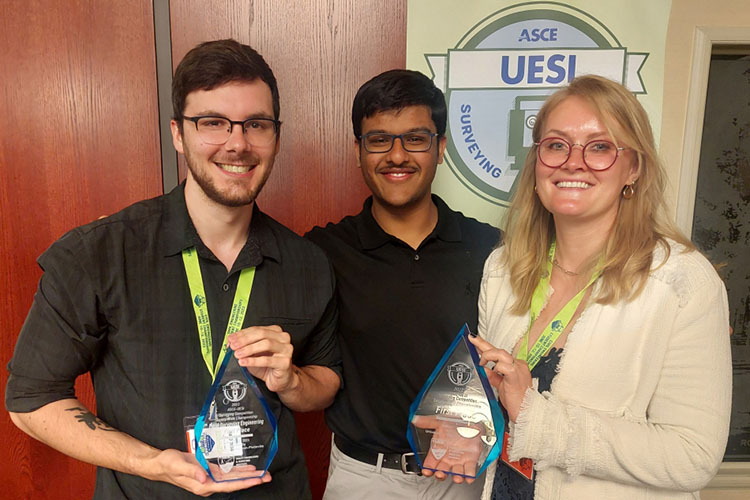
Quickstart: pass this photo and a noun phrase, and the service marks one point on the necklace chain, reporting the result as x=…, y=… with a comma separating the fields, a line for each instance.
x=561, y=268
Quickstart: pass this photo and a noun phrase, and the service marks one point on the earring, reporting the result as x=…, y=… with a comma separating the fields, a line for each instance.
x=535, y=189
x=628, y=191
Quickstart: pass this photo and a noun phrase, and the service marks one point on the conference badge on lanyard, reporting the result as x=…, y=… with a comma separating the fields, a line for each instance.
x=234, y=436
x=546, y=340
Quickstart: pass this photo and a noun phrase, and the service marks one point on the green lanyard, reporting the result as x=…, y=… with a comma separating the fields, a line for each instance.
x=560, y=321
x=236, y=317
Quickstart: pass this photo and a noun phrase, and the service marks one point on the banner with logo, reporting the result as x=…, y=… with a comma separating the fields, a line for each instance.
x=498, y=61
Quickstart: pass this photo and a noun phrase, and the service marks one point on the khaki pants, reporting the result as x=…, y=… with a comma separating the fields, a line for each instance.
x=351, y=479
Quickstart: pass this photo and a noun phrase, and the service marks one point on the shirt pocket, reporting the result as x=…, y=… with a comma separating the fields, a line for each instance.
x=297, y=328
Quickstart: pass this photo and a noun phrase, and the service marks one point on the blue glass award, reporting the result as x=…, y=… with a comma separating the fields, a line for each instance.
x=235, y=433
x=455, y=421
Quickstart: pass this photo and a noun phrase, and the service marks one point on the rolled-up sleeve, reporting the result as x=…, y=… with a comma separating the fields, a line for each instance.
x=63, y=332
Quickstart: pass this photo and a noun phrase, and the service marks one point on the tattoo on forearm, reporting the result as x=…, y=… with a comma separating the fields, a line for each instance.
x=92, y=421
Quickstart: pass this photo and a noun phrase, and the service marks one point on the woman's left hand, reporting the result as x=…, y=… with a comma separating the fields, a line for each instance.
x=510, y=376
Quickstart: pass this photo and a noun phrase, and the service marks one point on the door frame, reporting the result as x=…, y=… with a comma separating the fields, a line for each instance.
x=705, y=38
x=731, y=475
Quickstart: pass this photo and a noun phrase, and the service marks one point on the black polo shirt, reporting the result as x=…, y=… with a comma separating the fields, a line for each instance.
x=114, y=301
x=399, y=310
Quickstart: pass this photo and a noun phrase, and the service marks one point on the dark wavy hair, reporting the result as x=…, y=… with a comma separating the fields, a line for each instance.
x=397, y=89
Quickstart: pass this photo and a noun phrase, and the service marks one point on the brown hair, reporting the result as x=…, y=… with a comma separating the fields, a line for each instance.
x=215, y=63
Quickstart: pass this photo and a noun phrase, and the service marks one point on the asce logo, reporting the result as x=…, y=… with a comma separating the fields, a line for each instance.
x=499, y=74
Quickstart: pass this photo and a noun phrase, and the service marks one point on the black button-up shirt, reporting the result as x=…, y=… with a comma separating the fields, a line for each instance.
x=399, y=310
x=114, y=301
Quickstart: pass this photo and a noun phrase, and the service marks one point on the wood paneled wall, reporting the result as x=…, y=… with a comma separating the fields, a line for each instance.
x=79, y=139
x=321, y=51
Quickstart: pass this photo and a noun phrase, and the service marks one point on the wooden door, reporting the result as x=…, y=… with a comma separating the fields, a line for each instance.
x=79, y=139
x=321, y=51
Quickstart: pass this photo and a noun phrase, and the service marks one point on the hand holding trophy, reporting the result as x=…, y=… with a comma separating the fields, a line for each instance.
x=236, y=430
x=455, y=419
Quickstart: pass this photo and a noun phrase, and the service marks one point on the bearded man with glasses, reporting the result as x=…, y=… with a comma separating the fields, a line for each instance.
x=115, y=300
x=408, y=270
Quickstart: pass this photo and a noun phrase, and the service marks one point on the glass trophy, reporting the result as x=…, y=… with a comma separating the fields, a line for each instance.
x=455, y=421
x=235, y=433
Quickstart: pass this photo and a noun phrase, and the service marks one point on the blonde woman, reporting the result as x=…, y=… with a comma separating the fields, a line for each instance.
x=606, y=331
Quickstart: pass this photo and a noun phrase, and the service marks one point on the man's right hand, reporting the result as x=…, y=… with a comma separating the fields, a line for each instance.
x=183, y=470
x=68, y=426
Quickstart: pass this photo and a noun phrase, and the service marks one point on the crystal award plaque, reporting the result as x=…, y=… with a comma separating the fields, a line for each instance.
x=455, y=421
x=235, y=433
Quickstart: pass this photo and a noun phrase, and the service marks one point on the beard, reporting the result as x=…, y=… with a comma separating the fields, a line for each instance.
x=237, y=195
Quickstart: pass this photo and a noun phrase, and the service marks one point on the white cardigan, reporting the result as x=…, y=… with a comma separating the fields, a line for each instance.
x=639, y=408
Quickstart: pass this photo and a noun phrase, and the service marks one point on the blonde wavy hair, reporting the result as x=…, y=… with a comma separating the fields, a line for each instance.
x=641, y=222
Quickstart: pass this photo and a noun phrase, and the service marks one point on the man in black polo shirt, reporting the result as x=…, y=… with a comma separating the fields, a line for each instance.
x=114, y=301
x=408, y=270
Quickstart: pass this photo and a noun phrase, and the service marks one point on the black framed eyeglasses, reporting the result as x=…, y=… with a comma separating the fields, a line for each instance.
x=413, y=142
x=217, y=129
x=598, y=154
